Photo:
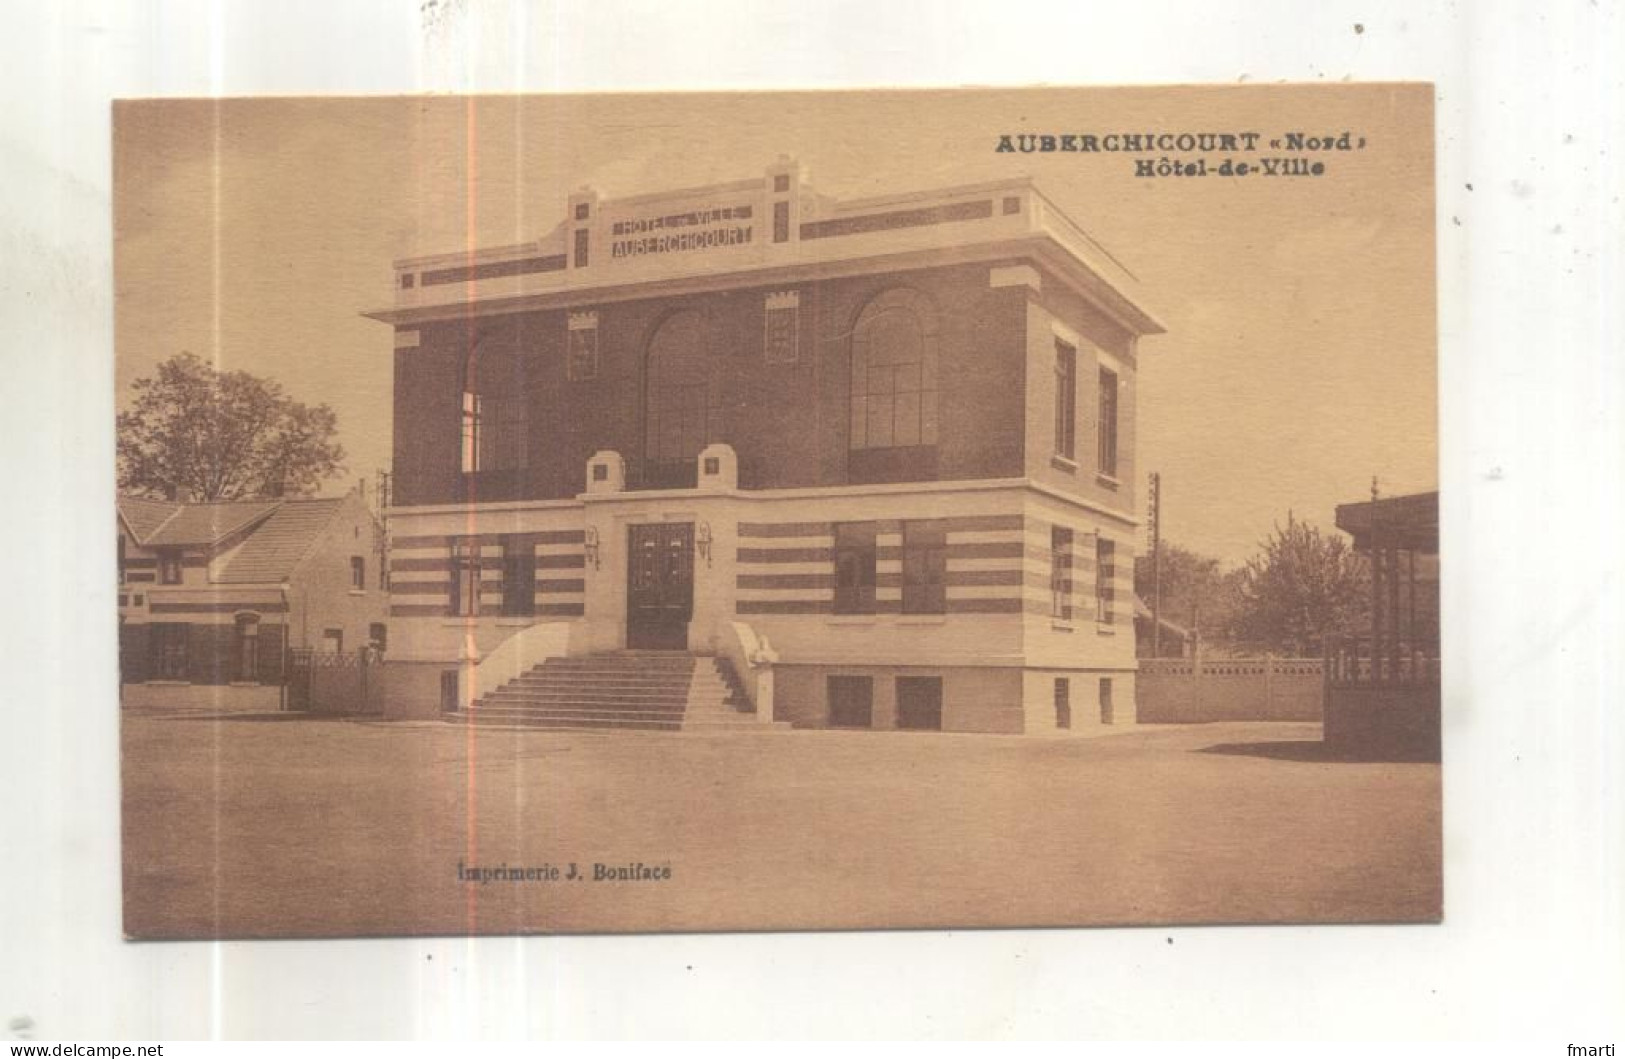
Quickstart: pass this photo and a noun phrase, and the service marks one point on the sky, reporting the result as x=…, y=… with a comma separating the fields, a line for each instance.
x=1299, y=359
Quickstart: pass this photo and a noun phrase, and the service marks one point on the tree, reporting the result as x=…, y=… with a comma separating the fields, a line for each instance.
x=1190, y=584
x=1300, y=590
x=196, y=434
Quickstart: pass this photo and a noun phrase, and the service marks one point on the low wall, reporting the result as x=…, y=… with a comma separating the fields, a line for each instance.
x=412, y=690
x=202, y=698
x=1185, y=691
x=347, y=686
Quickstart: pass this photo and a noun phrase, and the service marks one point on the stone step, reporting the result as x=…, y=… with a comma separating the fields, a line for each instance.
x=609, y=662
x=522, y=702
x=575, y=723
x=597, y=691
x=577, y=709
x=539, y=681
x=624, y=691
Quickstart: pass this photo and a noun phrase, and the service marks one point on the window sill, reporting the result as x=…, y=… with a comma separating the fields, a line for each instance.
x=1107, y=481
x=244, y=684
x=1062, y=463
x=358, y=591
x=1061, y=626
x=1105, y=629
x=922, y=619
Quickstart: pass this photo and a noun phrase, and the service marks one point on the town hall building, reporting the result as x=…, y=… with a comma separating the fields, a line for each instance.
x=871, y=460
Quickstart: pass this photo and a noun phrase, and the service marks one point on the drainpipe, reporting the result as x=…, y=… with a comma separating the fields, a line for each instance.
x=282, y=663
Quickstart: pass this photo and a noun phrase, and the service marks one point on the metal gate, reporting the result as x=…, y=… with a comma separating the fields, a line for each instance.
x=334, y=682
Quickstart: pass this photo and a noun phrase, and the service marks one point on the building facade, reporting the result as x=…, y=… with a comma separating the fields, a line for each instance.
x=883, y=449
x=211, y=595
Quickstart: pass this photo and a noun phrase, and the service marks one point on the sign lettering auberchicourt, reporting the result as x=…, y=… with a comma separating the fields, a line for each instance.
x=1185, y=142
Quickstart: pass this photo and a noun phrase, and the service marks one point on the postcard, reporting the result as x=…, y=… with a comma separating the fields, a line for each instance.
x=778, y=511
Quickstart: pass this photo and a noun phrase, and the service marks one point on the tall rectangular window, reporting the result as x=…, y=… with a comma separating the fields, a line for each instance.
x=1066, y=400
x=1063, y=702
x=248, y=648
x=1105, y=571
x=781, y=222
x=1060, y=573
x=581, y=355
x=169, y=566
x=493, y=432
x=504, y=436
x=781, y=314
x=494, y=410
x=518, y=577
x=465, y=577
x=581, y=248
x=121, y=547
x=855, y=568
x=1108, y=423
x=168, y=642
x=894, y=373
x=925, y=568
x=358, y=573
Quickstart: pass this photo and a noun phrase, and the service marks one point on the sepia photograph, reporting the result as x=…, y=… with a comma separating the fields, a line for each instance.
x=756, y=511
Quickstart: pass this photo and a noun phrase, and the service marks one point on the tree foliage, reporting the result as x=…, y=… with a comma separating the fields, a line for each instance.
x=1197, y=592
x=193, y=433
x=1301, y=589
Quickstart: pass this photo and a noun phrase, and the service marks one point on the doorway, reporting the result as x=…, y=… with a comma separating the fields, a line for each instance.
x=659, y=586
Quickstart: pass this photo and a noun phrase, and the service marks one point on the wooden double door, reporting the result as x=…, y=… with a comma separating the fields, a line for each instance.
x=659, y=585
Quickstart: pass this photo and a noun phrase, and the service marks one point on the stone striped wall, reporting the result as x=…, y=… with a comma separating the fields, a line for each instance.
x=421, y=573
x=996, y=564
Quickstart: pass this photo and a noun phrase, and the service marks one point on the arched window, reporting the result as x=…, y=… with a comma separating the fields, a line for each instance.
x=678, y=415
x=894, y=372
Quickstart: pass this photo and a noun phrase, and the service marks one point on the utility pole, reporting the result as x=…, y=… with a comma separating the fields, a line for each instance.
x=1154, y=512
x=381, y=500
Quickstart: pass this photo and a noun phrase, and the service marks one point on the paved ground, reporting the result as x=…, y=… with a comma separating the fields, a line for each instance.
x=261, y=825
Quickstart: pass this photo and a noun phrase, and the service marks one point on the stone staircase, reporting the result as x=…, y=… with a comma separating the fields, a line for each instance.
x=659, y=691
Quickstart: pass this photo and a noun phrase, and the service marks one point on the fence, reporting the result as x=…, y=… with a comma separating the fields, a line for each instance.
x=1183, y=690
x=1360, y=662
x=328, y=682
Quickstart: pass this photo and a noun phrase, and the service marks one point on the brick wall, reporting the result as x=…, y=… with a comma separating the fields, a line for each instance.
x=788, y=422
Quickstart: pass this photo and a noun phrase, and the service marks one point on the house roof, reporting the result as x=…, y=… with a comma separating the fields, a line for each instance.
x=145, y=516
x=1410, y=521
x=1142, y=612
x=161, y=523
x=279, y=532
x=277, y=544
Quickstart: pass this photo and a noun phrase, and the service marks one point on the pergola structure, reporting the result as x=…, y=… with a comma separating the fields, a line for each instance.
x=1383, y=690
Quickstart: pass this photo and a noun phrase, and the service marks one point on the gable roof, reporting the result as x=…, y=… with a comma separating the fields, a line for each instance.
x=160, y=523
x=144, y=516
x=277, y=544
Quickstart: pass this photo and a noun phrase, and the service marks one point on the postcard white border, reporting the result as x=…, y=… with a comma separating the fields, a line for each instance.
x=1531, y=435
